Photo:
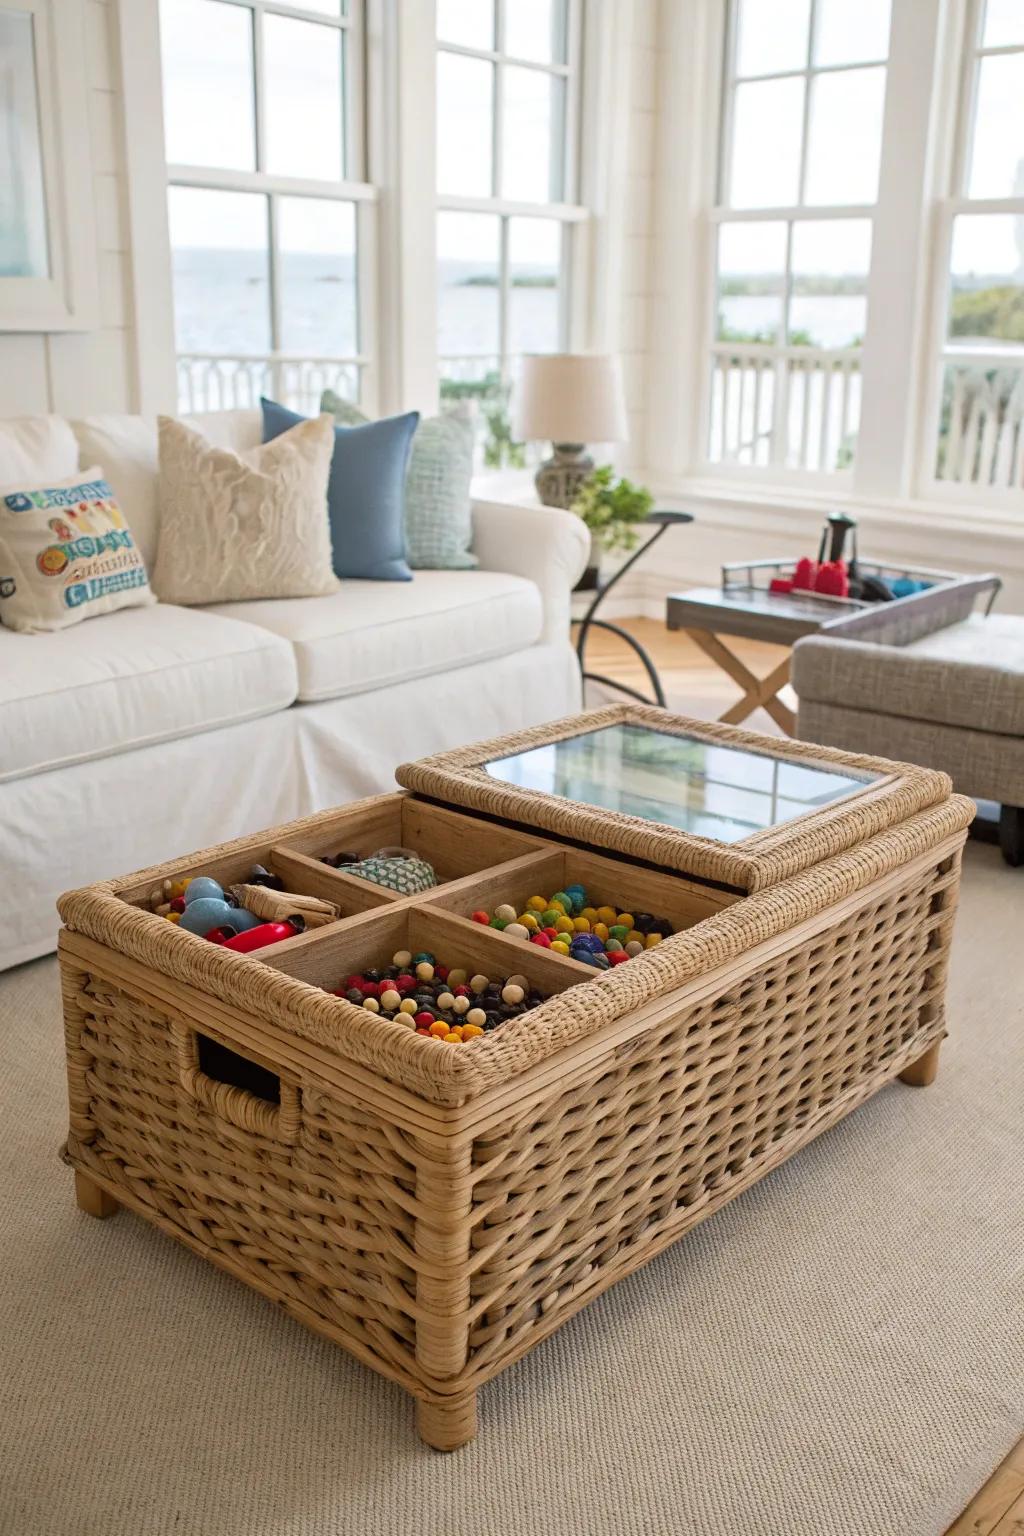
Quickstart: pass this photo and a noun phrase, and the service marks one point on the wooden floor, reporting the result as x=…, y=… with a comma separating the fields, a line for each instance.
x=692, y=684
x=695, y=685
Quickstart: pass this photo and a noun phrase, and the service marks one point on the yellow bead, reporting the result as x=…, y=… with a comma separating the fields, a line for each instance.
x=635, y=938
x=560, y=945
x=407, y=1005
x=565, y=925
x=556, y=906
x=536, y=904
x=177, y=888
x=453, y=1038
x=601, y=930
x=470, y=1031
x=174, y=917
x=606, y=914
x=651, y=940
x=529, y=920
x=581, y=924
x=626, y=919
x=589, y=913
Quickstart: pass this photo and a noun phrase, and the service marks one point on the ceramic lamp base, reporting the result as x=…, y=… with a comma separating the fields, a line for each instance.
x=558, y=480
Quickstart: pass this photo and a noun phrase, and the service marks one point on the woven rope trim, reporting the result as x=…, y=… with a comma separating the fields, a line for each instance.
x=451, y=1077
x=752, y=864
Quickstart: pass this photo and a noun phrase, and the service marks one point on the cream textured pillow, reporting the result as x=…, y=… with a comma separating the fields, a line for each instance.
x=241, y=526
x=66, y=554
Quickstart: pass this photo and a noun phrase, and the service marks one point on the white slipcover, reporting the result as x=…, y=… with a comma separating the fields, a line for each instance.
x=130, y=679
x=34, y=449
x=372, y=633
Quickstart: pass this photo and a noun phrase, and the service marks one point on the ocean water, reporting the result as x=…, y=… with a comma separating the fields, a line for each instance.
x=222, y=306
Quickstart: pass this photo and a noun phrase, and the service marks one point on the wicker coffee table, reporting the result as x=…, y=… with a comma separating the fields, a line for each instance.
x=439, y=1209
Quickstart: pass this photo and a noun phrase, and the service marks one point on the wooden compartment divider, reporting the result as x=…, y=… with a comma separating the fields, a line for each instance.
x=324, y=957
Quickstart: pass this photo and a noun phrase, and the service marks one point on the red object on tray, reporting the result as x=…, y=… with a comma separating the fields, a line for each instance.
x=805, y=574
x=781, y=584
x=832, y=580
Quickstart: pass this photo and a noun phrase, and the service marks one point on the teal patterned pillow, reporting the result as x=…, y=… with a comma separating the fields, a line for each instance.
x=438, y=518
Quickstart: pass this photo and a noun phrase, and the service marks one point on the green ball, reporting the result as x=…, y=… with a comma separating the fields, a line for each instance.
x=497, y=922
x=549, y=918
x=618, y=931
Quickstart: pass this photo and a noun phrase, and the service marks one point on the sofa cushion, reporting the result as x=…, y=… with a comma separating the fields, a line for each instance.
x=238, y=527
x=370, y=635
x=36, y=448
x=125, y=448
x=132, y=678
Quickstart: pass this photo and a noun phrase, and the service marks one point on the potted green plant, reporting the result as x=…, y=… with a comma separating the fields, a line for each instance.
x=612, y=510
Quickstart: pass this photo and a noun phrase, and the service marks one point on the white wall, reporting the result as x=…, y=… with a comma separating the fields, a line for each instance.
x=75, y=373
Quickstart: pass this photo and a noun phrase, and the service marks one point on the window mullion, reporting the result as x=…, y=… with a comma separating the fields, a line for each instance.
x=276, y=329
x=892, y=384
x=503, y=302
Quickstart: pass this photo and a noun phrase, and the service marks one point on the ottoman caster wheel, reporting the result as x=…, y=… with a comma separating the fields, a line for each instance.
x=1011, y=834
x=92, y=1198
x=447, y=1426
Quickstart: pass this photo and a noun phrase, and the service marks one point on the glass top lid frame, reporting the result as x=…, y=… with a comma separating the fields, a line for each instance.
x=889, y=794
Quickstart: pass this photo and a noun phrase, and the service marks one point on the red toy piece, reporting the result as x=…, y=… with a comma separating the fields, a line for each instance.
x=481, y=917
x=805, y=574
x=781, y=584
x=832, y=580
x=260, y=936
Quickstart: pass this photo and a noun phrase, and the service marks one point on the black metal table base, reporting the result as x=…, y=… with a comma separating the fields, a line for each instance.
x=664, y=521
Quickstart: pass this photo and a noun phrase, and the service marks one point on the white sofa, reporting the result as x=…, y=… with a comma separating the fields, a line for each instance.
x=150, y=732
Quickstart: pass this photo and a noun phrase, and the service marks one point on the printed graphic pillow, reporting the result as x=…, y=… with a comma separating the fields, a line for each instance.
x=238, y=526
x=66, y=554
x=438, y=515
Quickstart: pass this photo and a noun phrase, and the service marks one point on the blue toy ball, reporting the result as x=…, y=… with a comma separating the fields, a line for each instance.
x=208, y=912
x=201, y=888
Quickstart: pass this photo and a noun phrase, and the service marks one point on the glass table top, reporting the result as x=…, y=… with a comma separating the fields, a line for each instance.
x=725, y=793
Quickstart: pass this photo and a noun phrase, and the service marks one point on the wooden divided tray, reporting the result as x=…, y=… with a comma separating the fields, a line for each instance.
x=440, y=1208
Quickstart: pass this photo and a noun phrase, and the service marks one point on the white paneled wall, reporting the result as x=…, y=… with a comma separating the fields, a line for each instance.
x=75, y=373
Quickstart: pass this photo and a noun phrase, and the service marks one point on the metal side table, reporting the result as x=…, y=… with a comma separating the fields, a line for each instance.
x=660, y=522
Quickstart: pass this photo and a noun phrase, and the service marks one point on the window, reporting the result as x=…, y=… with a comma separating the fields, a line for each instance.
x=507, y=83
x=269, y=214
x=801, y=144
x=981, y=411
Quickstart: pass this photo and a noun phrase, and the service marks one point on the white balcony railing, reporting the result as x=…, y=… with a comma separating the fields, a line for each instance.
x=981, y=431
x=210, y=382
x=792, y=407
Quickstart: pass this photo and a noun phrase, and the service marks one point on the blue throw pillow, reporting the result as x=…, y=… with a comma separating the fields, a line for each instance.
x=365, y=492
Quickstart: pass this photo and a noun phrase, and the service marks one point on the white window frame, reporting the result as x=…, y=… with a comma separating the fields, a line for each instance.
x=835, y=363
x=67, y=299
x=355, y=189
x=967, y=31
x=568, y=212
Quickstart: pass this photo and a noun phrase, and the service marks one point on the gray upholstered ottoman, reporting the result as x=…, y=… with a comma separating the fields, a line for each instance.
x=933, y=683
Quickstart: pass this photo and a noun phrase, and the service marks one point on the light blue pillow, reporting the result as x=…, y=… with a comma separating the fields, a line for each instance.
x=365, y=492
x=438, y=516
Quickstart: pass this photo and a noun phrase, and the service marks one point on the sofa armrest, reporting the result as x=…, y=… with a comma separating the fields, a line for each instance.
x=547, y=546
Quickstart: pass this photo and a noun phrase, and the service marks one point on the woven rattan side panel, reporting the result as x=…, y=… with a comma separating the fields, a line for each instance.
x=598, y=1177
x=322, y=1217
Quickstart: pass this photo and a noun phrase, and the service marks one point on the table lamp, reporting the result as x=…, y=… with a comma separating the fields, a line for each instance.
x=571, y=399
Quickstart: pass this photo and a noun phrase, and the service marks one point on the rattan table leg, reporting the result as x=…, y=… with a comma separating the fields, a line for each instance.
x=92, y=1199
x=924, y=1070
x=447, y=1426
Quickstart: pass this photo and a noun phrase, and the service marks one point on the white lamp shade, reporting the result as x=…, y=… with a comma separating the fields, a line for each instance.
x=565, y=397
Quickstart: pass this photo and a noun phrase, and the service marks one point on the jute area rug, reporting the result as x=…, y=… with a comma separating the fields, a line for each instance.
x=838, y=1353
